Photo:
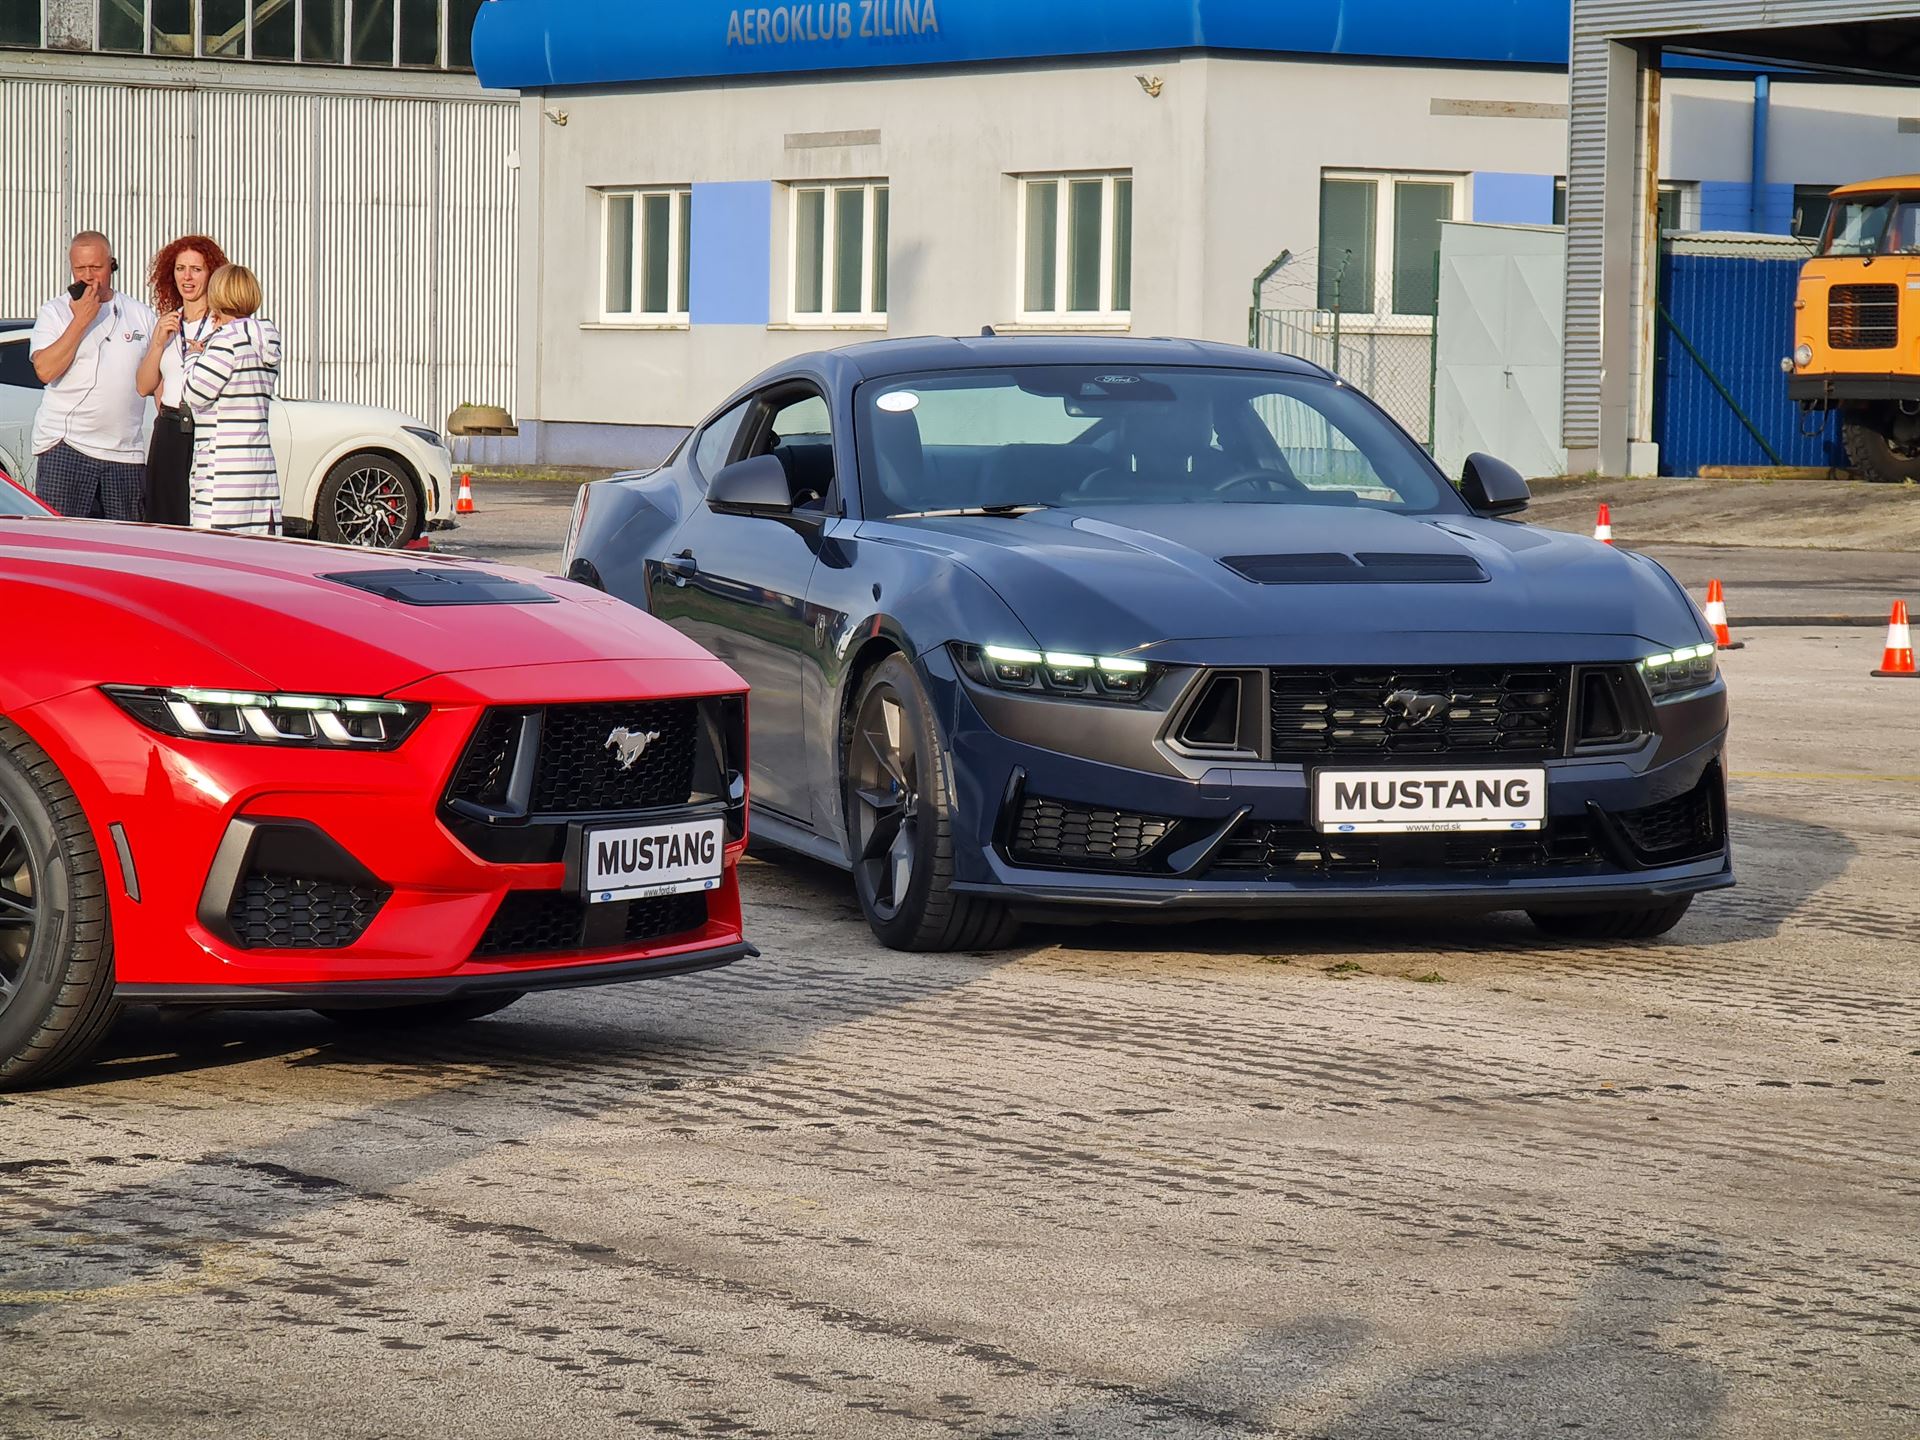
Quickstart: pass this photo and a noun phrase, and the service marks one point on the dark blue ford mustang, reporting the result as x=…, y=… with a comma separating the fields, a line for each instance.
x=1038, y=626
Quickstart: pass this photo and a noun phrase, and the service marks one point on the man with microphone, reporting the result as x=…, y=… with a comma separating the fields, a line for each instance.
x=87, y=345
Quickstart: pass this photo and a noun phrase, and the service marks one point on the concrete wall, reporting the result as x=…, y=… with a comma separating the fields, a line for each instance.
x=1226, y=163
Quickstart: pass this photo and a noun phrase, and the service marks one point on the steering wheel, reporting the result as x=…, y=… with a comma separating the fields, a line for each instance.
x=1255, y=480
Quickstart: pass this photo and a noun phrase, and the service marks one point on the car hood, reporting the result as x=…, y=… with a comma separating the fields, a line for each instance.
x=372, y=417
x=1118, y=579
x=153, y=605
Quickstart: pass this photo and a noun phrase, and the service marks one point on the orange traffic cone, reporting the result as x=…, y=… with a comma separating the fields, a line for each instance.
x=1897, y=663
x=1603, y=525
x=463, y=505
x=1717, y=618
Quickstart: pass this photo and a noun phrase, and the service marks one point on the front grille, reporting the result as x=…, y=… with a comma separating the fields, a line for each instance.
x=1675, y=829
x=1343, y=714
x=272, y=911
x=1863, y=317
x=578, y=769
x=553, y=922
x=1049, y=833
x=1281, y=852
x=487, y=763
x=580, y=772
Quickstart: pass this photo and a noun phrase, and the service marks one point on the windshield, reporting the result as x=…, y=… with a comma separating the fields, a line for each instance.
x=1873, y=225
x=1090, y=435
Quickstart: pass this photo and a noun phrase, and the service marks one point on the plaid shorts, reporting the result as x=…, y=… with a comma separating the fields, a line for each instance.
x=90, y=489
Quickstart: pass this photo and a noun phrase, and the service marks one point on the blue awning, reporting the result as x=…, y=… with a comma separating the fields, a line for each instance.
x=532, y=44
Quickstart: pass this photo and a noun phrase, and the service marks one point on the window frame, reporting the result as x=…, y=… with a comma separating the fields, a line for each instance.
x=1383, y=317
x=827, y=318
x=751, y=439
x=197, y=37
x=1106, y=317
x=677, y=315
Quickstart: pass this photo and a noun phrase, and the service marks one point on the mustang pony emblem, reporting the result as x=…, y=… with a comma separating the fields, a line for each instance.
x=630, y=745
x=1417, y=707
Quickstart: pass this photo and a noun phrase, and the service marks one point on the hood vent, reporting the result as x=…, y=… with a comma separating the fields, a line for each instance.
x=1367, y=567
x=444, y=587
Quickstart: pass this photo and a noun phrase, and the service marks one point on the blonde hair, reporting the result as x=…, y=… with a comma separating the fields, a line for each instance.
x=233, y=291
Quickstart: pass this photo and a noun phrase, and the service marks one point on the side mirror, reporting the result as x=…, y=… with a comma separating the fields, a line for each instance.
x=754, y=486
x=1493, y=487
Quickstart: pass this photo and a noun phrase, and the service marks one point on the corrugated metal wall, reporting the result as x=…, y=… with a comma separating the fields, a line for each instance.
x=1738, y=314
x=383, y=230
x=1596, y=23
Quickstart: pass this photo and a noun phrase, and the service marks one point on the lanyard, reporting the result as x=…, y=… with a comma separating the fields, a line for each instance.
x=206, y=324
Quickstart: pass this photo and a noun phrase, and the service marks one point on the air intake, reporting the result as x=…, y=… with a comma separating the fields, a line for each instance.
x=1369, y=567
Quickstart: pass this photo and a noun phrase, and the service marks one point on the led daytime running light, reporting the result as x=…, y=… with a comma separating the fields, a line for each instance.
x=258, y=717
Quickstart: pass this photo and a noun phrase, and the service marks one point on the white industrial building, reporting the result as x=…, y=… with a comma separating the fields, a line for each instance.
x=708, y=188
x=340, y=148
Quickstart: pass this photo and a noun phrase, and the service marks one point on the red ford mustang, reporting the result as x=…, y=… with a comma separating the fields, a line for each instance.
x=250, y=772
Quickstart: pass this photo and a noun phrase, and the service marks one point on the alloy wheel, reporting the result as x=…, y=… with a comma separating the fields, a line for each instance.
x=19, y=903
x=886, y=783
x=370, y=508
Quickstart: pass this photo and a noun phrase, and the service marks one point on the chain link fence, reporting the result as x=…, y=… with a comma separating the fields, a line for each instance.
x=1391, y=360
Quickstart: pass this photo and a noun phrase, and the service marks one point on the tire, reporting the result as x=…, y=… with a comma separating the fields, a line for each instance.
x=56, y=935
x=900, y=819
x=1612, y=924
x=456, y=1011
x=370, y=500
x=1874, y=452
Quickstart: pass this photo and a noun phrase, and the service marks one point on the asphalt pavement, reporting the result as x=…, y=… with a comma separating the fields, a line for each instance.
x=1305, y=1180
x=1288, y=1179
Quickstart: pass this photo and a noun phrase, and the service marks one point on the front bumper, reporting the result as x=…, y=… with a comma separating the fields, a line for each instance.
x=1829, y=388
x=1236, y=838
x=388, y=901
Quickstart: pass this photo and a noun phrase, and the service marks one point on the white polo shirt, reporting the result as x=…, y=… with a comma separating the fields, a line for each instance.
x=96, y=407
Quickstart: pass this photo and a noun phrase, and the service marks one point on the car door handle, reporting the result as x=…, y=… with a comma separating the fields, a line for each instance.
x=682, y=567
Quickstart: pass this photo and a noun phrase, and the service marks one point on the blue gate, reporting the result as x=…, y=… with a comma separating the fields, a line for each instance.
x=1738, y=314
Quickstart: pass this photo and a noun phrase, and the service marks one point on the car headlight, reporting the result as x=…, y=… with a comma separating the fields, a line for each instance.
x=1803, y=355
x=420, y=432
x=324, y=722
x=1691, y=667
x=1059, y=673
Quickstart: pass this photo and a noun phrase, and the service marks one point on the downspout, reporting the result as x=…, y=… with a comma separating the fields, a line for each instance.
x=1757, y=195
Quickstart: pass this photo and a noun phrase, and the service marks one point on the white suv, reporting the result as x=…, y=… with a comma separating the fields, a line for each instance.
x=351, y=474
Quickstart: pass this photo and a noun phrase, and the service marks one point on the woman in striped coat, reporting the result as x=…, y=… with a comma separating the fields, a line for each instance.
x=235, y=485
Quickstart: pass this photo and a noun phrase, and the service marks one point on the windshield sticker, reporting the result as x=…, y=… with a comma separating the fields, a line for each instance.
x=898, y=402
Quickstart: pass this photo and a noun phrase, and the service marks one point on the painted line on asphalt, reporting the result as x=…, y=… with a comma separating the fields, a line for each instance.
x=1825, y=775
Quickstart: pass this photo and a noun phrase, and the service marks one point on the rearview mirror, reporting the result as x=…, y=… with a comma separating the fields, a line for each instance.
x=754, y=486
x=1493, y=487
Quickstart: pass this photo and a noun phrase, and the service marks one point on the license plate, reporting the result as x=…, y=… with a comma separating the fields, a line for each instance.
x=638, y=862
x=1359, y=802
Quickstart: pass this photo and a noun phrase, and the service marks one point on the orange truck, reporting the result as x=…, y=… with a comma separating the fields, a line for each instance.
x=1856, y=326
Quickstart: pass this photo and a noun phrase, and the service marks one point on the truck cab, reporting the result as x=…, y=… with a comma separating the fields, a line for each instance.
x=1857, y=326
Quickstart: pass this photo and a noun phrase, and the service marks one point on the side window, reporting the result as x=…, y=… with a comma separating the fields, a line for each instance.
x=715, y=443
x=800, y=434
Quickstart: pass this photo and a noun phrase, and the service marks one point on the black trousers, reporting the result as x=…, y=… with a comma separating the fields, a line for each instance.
x=169, y=473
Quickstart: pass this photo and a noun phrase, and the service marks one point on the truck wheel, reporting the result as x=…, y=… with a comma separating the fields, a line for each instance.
x=56, y=936
x=1881, y=448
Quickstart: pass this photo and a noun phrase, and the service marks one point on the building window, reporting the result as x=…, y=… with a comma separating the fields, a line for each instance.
x=1380, y=241
x=1076, y=248
x=419, y=34
x=644, y=242
x=1679, y=204
x=20, y=24
x=838, y=253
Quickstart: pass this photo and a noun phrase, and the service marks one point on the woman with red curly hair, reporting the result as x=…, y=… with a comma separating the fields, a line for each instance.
x=179, y=283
